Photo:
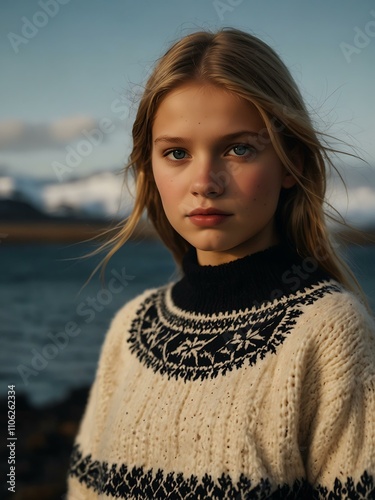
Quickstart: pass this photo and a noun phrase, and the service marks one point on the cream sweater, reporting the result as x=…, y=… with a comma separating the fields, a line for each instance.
x=253, y=379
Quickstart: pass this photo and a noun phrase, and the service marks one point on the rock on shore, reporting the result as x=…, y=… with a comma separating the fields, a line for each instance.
x=45, y=439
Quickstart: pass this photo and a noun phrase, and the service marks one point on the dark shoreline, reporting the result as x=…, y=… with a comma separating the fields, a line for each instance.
x=45, y=438
x=66, y=230
x=63, y=231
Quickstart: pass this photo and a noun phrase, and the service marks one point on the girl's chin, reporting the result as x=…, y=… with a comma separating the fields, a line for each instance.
x=209, y=246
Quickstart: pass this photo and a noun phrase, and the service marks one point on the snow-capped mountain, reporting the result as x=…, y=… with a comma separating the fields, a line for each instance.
x=100, y=195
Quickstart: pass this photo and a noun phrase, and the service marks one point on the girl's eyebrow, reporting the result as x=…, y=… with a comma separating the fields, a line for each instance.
x=235, y=135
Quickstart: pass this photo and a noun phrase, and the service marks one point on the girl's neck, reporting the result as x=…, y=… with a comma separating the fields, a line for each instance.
x=244, y=283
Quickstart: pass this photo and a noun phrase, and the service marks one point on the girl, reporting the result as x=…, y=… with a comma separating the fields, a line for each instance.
x=253, y=376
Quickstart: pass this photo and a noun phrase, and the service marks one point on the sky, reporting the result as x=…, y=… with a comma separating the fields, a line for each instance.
x=72, y=70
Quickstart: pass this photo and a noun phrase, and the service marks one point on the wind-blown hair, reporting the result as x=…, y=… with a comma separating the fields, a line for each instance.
x=241, y=63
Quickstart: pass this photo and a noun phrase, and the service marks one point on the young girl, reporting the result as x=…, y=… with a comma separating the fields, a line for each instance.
x=253, y=376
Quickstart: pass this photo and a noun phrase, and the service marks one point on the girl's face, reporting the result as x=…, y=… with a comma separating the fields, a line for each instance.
x=211, y=155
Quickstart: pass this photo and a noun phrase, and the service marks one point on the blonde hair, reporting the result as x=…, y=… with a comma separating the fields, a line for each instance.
x=242, y=64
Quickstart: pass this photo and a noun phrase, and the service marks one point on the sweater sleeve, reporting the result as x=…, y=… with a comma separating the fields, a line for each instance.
x=338, y=422
x=111, y=360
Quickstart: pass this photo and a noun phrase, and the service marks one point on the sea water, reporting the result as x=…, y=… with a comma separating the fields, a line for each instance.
x=53, y=326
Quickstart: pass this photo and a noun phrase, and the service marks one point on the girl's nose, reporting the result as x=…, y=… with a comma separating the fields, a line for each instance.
x=209, y=182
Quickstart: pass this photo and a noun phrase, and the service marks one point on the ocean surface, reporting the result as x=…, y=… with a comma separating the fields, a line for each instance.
x=52, y=326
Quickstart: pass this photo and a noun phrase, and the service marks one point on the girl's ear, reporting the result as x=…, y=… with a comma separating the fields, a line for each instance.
x=297, y=159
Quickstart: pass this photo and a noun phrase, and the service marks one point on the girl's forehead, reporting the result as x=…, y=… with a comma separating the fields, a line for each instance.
x=203, y=90
x=204, y=103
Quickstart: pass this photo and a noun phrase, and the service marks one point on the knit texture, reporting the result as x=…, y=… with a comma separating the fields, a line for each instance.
x=253, y=379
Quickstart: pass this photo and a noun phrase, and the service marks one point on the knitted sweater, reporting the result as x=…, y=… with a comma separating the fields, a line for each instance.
x=252, y=379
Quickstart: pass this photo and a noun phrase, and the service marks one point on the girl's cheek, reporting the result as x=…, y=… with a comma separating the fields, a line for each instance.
x=254, y=183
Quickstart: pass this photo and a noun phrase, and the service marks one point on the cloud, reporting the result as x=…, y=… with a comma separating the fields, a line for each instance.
x=19, y=136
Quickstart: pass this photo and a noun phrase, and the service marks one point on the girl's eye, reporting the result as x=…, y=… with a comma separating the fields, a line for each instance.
x=243, y=150
x=177, y=154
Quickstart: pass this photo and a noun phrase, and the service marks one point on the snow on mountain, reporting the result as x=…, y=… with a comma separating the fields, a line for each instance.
x=7, y=187
x=357, y=204
x=357, y=207
x=22, y=188
x=102, y=194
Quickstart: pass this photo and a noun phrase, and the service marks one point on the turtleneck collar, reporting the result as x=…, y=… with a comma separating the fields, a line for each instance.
x=243, y=283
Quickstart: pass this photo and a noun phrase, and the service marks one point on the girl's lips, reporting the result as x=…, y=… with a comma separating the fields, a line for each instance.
x=207, y=211
x=206, y=220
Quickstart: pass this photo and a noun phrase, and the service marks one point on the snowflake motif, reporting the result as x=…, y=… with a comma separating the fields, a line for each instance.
x=245, y=340
x=183, y=345
x=191, y=350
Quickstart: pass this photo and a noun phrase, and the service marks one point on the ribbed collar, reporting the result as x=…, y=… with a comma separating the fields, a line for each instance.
x=243, y=283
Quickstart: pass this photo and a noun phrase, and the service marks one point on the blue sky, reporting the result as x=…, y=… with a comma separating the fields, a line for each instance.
x=90, y=58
